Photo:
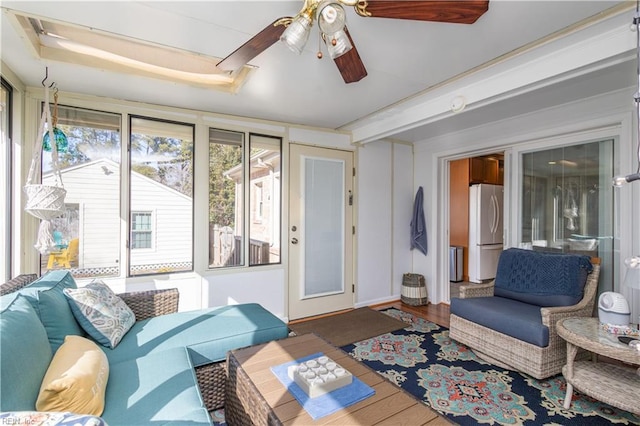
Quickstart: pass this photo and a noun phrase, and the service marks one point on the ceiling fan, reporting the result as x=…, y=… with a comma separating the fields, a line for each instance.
x=294, y=31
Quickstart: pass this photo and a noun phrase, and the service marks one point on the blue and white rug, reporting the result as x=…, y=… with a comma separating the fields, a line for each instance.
x=448, y=377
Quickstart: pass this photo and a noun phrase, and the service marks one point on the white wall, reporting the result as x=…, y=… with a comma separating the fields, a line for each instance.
x=385, y=202
x=605, y=115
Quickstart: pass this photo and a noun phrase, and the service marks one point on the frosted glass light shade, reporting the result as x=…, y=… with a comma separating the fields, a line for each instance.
x=297, y=33
x=342, y=44
x=331, y=18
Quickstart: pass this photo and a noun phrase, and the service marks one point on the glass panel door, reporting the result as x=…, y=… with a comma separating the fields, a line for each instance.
x=320, y=231
x=567, y=202
x=324, y=226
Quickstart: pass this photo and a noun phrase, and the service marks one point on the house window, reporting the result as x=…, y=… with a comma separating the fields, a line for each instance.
x=161, y=180
x=141, y=230
x=90, y=169
x=228, y=217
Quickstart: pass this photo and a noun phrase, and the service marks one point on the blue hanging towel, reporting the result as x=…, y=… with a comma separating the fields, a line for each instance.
x=418, y=227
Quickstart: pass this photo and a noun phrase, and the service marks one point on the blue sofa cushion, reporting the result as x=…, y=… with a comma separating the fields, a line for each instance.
x=25, y=354
x=156, y=389
x=511, y=317
x=208, y=333
x=50, y=303
x=540, y=278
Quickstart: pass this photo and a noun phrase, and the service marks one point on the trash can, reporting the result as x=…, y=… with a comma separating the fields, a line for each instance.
x=455, y=264
x=414, y=290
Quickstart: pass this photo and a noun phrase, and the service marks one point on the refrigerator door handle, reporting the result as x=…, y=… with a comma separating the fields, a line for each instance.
x=494, y=211
x=495, y=199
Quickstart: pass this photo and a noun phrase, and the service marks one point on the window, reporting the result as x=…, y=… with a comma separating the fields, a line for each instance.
x=567, y=202
x=161, y=180
x=264, y=203
x=141, y=230
x=227, y=219
x=90, y=168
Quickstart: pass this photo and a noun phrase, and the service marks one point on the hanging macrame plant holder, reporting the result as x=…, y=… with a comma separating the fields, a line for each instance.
x=44, y=201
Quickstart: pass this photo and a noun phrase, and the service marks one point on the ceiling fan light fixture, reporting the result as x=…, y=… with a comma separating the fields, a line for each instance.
x=338, y=44
x=331, y=18
x=296, y=35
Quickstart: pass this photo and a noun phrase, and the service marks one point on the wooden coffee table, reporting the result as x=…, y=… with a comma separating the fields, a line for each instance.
x=254, y=395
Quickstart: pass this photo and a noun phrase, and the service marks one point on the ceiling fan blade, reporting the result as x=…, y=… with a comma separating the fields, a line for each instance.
x=350, y=64
x=252, y=48
x=454, y=11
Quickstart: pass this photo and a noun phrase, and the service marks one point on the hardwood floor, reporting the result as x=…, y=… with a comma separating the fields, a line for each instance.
x=435, y=313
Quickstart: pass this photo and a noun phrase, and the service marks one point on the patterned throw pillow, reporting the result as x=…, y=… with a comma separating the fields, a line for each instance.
x=101, y=313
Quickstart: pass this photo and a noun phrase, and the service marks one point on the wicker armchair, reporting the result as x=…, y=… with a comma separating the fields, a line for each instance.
x=147, y=304
x=514, y=354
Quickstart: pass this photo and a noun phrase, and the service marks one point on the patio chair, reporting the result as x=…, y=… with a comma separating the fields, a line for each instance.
x=65, y=257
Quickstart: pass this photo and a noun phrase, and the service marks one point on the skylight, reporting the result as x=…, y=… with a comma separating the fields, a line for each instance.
x=59, y=41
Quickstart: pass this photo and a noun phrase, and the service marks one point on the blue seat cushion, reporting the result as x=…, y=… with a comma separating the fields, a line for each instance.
x=541, y=278
x=25, y=354
x=157, y=389
x=50, y=303
x=511, y=317
x=208, y=333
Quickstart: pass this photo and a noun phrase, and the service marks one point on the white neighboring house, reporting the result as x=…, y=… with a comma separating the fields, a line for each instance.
x=93, y=190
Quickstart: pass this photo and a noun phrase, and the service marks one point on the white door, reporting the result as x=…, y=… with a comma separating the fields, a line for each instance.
x=320, y=231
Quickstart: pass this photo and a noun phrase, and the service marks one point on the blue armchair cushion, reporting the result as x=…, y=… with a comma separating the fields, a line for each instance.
x=25, y=354
x=540, y=278
x=507, y=316
x=47, y=298
x=157, y=389
x=208, y=333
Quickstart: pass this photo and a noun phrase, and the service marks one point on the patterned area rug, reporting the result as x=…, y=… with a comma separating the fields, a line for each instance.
x=452, y=380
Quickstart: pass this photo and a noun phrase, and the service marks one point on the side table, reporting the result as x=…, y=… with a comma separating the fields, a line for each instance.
x=617, y=385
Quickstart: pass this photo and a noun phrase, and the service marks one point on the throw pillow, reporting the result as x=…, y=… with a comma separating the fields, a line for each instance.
x=101, y=313
x=76, y=379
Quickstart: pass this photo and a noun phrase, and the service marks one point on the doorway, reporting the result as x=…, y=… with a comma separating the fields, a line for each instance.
x=320, y=231
x=463, y=173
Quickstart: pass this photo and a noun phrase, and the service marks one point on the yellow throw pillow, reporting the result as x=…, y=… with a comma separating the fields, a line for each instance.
x=76, y=380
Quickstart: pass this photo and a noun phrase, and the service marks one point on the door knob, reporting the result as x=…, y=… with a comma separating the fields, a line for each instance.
x=294, y=241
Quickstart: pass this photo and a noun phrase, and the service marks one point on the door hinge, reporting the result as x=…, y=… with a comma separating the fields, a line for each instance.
x=354, y=172
x=353, y=288
x=353, y=230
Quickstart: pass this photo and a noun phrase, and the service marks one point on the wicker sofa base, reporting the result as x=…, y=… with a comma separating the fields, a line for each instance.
x=509, y=352
x=212, y=379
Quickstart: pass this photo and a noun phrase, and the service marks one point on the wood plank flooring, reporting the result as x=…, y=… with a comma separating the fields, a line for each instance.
x=435, y=313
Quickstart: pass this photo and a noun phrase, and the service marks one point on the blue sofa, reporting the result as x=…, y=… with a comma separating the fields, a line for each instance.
x=162, y=370
x=511, y=321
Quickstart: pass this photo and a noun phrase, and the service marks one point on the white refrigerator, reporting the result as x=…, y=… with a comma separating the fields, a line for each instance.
x=485, y=230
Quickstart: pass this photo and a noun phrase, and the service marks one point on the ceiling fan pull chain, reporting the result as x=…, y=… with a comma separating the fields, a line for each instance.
x=319, y=54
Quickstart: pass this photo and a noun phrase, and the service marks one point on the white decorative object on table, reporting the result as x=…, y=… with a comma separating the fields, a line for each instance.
x=319, y=375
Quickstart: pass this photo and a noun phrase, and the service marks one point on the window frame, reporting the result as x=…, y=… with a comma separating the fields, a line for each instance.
x=7, y=165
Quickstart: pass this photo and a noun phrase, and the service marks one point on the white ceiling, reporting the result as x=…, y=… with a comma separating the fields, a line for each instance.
x=403, y=58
